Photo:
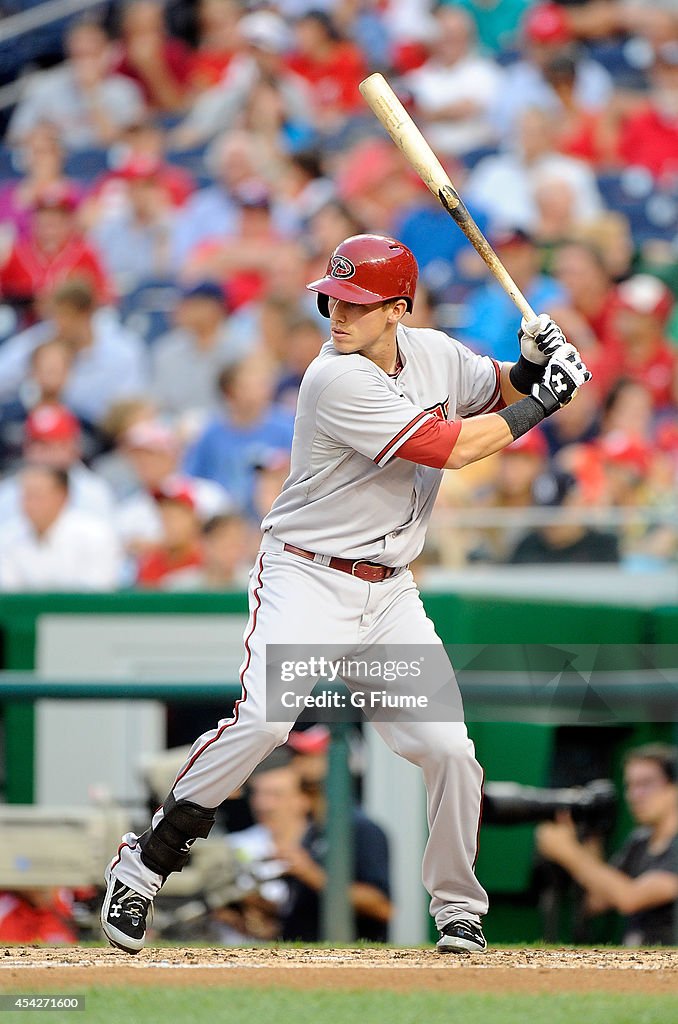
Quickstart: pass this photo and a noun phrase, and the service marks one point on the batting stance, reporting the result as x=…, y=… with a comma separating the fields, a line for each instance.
x=382, y=411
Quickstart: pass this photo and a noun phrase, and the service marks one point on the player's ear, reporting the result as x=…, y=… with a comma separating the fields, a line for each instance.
x=397, y=310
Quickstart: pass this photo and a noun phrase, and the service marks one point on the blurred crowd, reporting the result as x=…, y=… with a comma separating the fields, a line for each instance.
x=168, y=188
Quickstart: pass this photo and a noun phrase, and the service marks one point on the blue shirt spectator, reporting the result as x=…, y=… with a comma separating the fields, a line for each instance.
x=230, y=447
x=493, y=320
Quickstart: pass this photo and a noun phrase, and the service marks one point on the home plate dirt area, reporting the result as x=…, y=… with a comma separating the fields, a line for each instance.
x=498, y=970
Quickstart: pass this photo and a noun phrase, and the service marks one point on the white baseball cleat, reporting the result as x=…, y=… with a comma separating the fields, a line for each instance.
x=124, y=915
x=462, y=936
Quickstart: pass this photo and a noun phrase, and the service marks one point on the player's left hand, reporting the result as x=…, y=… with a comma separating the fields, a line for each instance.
x=540, y=339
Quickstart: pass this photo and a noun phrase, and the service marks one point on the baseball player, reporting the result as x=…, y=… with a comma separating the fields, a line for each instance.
x=382, y=411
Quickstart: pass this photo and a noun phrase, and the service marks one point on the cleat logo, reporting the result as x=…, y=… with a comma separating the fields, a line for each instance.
x=341, y=267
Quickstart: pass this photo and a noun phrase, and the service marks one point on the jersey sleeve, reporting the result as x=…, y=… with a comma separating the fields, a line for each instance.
x=359, y=411
x=478, y=380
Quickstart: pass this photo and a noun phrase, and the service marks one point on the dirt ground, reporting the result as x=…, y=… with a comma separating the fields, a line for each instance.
x=497, y=971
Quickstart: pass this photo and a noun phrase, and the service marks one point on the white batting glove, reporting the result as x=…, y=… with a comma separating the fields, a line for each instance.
x=540, y=339
x=564, y=374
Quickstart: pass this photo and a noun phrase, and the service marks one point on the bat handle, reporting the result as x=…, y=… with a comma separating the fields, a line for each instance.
x=463, y=218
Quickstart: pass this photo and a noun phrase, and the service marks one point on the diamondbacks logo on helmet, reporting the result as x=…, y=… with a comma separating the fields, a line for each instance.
x=342, y=267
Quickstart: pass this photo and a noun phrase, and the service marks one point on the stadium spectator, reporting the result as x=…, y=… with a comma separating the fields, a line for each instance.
x=493, y=321
x=580, y=268
x=247, y=424
x=240, y=262
x=508, y=485
x=44, y=384
x=109, y=362
x=505, y=185
x=454, y=90
x=225, y=557
x=41, y=160
x=565, y=542
x=152, y=451
x=217, y=43
x=583, y=133
x=178, y=548
x=158, y=64
x=280, y=810
x=649, y=138
x=370, y=888
x=54, y=251
x=641, y=881
x=52, y=545
x=373, y=186
x=304, y=341
x=88, y=104
x=644, y=306
x=234, y=164
x=272, y=469
x=134, y=242
x=547, y=34
x=143, y=145
x=29, y=916
x=185, y=363
x=300, y=190
x=112, y=465
x=52, y=437
x=332, y=66
x=266, y=39
x=628, y=407
x=497, y=22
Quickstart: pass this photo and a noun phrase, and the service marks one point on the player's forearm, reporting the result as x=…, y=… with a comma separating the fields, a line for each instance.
x=368, y=900
x=508, y=392
x=478, y=438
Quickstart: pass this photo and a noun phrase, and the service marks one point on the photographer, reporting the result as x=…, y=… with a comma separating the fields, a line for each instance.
x=641, y=881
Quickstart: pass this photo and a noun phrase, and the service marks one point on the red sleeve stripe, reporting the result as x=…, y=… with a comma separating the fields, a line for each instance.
x=431, y=444
x=402, y=435
x=496, y=392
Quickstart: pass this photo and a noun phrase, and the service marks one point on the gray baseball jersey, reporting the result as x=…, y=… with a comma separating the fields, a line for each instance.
x=347, y=494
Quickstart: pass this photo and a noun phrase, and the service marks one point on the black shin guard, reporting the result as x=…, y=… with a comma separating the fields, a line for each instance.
x=167, y=847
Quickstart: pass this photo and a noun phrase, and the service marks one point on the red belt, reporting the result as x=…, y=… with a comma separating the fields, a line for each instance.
x=371, y=572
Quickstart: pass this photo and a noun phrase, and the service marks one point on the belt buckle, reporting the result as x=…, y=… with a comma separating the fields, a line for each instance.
x=370, y=565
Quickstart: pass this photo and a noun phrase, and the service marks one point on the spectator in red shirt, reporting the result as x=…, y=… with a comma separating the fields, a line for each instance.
x=160, y=65
x=580, y=268
x=332, y=66
x=650, y=137
x=180, y=548
x=54, y=251
x=218, y=42
x=646, y=356
x=37, y=915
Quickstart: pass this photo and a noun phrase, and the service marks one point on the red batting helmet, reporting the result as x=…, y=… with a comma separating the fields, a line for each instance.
x=368, y=268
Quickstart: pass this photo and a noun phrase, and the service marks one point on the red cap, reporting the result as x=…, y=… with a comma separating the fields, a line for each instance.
x=51, y=423
x=365, y=269
x=60, y=196
x=644, y=293
x=139, y=167
x=179, y=492
x=315, y=740
x=547, y=23
x=622, y=449
x=366, y=168
x=531, y=443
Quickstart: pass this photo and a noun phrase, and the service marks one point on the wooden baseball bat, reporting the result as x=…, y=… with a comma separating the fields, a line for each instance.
x=389, y=110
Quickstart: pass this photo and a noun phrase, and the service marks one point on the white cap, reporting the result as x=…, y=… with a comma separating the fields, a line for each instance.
x=265, y=30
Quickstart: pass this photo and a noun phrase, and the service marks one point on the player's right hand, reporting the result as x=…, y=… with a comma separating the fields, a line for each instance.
x=564, y=374
x=540, y=339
